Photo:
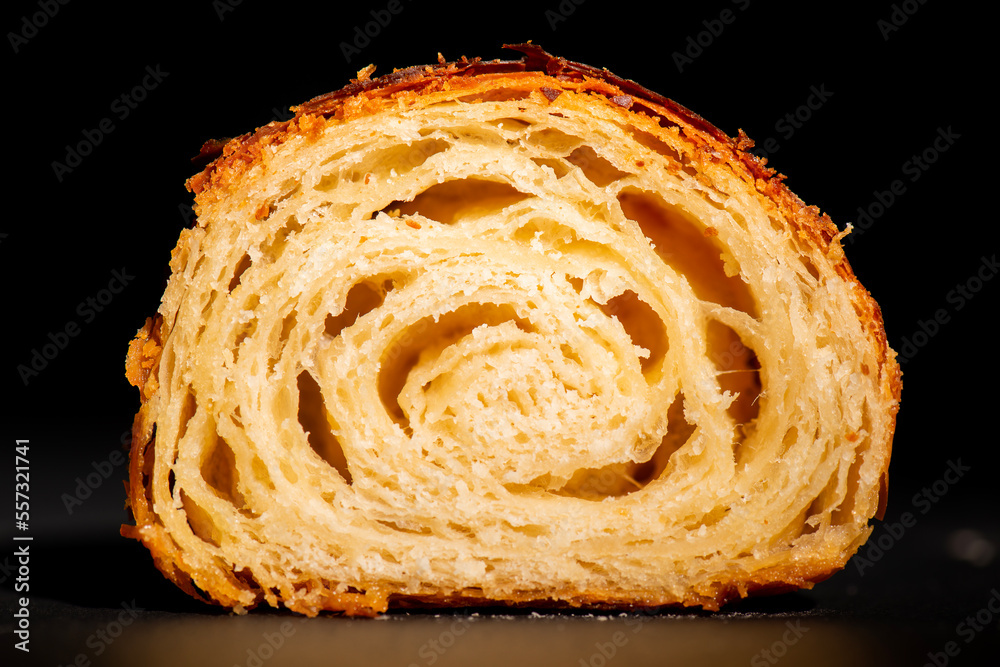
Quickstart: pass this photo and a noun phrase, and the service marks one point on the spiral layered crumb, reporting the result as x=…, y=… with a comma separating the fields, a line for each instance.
x=516, y=331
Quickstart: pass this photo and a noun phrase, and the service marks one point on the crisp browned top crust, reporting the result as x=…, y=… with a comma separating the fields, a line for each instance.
x=533, y=72
x=540, y=78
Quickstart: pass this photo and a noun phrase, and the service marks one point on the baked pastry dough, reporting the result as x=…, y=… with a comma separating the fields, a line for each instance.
x=510, y=331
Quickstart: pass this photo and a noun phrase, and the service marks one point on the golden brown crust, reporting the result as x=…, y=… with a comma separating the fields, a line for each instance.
x=538, y=71
x=542, y=77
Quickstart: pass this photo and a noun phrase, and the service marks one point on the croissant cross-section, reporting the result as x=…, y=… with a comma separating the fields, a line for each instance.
x=514, y=332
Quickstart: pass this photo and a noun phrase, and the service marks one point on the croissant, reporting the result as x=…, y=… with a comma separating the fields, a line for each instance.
x=510, y=332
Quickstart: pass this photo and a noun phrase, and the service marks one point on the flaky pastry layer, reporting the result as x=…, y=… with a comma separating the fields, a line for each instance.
x=511, y=331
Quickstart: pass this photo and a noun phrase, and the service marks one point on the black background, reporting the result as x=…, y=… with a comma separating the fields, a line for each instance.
x=227, y=68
